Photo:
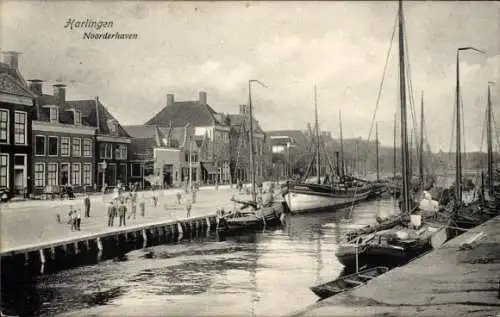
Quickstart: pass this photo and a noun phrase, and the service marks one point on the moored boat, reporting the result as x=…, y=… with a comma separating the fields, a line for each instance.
x=347, y=282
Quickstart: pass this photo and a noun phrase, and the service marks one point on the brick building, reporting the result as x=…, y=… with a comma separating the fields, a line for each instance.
x=63, y=143
x=211, y=134
x=16, y=109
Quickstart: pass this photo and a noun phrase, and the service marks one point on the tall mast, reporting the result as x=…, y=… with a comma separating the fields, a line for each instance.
x=490, y=145
x=317, y=134
x=402, y=96
x=376, y=149
x=394, y=149
x=252, y=159
x=458, y=150
x=341, y=146
x=421, y=146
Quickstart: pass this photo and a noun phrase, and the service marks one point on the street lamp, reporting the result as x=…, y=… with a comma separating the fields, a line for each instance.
x=458, y=177
x=252, y=163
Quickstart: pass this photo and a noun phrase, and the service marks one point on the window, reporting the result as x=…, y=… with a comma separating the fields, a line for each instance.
x=64, y=173
x=20, y=127
x=52, y=174
x=54, y=115
x=39, y=174
x=106, y=151
x=65, y=146
x=40, y=145
x=76, y=174
x=121, y=152
x=136, y=170
x=77, y=117
x=77, y=147
x=4, y=170
x=87, y=174
x=87, y=147
x=53, y=151
x=4, y=126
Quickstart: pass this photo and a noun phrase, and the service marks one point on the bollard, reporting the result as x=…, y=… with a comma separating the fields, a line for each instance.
x=144, y=238
x=181, y=231
x=42, y=257
x=99, y=244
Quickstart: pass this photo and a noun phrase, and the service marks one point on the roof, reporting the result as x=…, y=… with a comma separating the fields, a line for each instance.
x=10, y=84
x=299, y=137
x=238, y=119
x=182, y=112
x=89, y=109
x=5, y=68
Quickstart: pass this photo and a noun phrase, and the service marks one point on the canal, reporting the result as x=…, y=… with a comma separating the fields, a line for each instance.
x=261, y=274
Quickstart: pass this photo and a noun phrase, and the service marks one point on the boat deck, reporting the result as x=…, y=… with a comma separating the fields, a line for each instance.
x=450, y=281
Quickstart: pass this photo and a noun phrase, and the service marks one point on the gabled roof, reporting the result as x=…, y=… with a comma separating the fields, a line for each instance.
x=91, y=109
x=183, y=112
x=10, y=84
x=5, y=68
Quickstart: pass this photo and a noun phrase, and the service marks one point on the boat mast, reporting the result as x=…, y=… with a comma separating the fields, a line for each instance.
x=421, y=153
x=252, y=159
x=490, y=145
x=342, y=167
x=376, y=149
x=402, y=96
x=458, y=150
x=317, y=134
x=394, y=149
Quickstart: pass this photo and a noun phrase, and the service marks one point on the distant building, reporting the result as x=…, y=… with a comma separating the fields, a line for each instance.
x=288, y=152
x=17, y=104
x=211, y=131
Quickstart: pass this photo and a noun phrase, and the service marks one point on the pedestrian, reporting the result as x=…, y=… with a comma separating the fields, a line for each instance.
x=122, y=212
x=111, y=213
x=133, y=209
x=193, y=193
x=179, y=196
x=86, y=204
x=142, y=206
x=72, y=218
x=188, y=208
x=78, y=219
x=155, y=201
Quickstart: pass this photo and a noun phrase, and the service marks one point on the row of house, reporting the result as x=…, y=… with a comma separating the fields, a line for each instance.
x=48, y=142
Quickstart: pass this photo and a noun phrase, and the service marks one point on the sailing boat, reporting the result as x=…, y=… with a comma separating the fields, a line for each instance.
x=404, y=242
x=252, y=214
x=327, y=193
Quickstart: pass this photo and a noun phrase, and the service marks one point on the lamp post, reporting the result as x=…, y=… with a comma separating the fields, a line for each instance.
x=458, y=177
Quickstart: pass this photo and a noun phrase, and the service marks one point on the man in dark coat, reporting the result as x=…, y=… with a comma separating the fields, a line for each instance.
x=86, y=204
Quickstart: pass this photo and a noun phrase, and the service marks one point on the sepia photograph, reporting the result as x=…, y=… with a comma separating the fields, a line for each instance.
x=249, y=158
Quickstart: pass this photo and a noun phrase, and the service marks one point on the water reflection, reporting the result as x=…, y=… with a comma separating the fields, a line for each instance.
x=261, y=274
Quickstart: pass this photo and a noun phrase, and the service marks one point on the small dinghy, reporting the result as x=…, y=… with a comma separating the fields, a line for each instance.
x=347, y=282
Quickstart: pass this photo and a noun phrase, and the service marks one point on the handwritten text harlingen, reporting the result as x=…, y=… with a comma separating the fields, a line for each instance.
x=73, y=24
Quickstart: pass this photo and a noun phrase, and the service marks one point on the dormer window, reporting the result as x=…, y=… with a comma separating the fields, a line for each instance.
x=54, y=115
x=77, y=115
x=113, y=127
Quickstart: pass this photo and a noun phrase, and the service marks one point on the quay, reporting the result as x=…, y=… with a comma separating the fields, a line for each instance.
x=461, y=278
x=33, y=239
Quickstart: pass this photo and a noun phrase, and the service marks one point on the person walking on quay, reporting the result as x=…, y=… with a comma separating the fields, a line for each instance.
x=72, y=218
x=78, y=219
x=142, y=206
x=111, y=213
x=86, y=204
x=179, y=196
x=133, y=208
x=122, y=212
x=155, y=200
x=188, y=208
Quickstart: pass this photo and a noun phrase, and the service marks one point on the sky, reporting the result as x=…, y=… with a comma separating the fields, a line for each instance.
x=216, y=47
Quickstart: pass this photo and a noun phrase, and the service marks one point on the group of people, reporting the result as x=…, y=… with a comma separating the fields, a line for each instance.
x=118, y=208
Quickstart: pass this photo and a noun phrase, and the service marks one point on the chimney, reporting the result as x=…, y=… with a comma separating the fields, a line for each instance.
x=12, y=59
x=170, y=99
x=60, y=93
x=35, y=85
x=203, y=97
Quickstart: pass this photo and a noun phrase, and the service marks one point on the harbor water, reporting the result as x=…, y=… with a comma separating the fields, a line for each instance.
x=260, y=274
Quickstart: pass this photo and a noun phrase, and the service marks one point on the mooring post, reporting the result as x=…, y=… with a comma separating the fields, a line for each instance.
x=99, y=244
x=144, y=238
x=42, y=257
x=208, y=222
x=181, y=231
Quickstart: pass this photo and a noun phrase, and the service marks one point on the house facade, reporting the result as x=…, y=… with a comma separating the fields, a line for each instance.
x=290, y=155
x=210, y=136
x=17, y=104
x=112, y=144
x=63, y=143
x=240, y=146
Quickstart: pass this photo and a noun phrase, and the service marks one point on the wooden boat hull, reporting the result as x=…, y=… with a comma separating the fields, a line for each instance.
x=347, y=282
x=313, y=197
x=267, y=216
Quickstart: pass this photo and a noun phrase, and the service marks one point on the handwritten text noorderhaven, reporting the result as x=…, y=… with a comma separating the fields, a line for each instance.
x=73, y=24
